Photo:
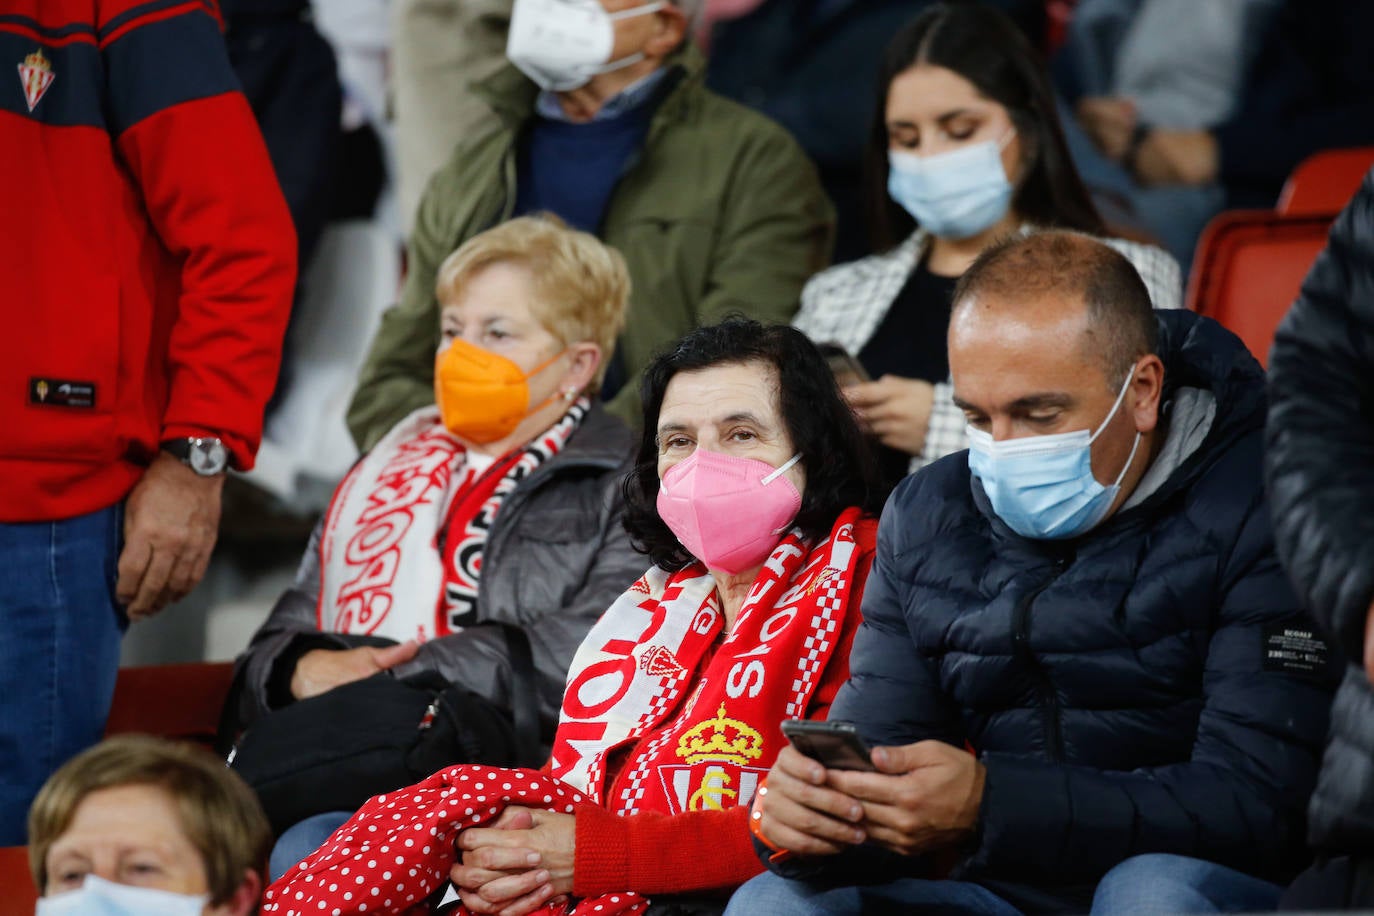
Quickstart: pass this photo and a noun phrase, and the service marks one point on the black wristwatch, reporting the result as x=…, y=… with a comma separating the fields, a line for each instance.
x=205, y=455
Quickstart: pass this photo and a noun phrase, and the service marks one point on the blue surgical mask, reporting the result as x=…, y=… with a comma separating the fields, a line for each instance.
x=955, y=195
x=98, y=897
x=1043, y=486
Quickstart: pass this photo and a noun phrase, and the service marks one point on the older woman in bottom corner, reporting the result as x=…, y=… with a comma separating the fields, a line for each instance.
x=754, y=496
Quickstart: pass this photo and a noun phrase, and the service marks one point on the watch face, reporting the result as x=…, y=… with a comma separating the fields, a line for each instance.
x=207, y=456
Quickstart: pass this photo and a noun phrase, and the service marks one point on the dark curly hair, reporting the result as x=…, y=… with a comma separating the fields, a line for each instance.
x=840, y=468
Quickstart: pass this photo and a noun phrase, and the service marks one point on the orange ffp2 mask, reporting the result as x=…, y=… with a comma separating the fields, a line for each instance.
x=483, y=396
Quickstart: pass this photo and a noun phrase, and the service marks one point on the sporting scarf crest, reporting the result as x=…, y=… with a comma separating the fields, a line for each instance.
x=701, y=729
x=402, y=543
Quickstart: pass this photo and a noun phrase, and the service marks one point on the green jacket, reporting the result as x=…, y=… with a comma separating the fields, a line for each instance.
x=719, y=213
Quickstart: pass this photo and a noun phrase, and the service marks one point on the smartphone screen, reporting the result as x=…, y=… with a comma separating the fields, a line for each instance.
x=846, y=369
x=836, y=745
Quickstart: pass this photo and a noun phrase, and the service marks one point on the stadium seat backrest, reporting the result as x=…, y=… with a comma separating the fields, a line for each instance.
x=17, y=895
x=174, y=701
x=1324, y=182
x=1249, y=267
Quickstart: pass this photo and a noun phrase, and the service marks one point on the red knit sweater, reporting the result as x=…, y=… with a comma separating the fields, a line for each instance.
x=148, y=260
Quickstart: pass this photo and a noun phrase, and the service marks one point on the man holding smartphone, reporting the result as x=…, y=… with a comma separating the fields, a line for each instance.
x=1085, y=679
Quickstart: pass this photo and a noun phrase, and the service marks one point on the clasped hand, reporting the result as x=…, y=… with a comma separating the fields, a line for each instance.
x=925, y=797
x=523, y=861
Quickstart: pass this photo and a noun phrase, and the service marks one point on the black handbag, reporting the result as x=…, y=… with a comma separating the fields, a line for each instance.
x=334, y=751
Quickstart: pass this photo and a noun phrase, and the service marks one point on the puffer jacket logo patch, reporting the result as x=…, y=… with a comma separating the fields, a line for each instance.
x=1296, y=650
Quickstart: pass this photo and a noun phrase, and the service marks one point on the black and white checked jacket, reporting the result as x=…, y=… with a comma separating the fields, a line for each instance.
x=846, y=303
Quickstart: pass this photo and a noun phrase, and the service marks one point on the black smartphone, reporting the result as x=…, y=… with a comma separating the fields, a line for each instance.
x=835, y=744
x=843, y=365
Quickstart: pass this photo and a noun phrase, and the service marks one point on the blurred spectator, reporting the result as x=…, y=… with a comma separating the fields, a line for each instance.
x=359, y=31
x=1089, y=601
x=514, y=516
x=1195, y=107
x=966, y=149
x=137, y=824
x=1321, y=483
x=806, y=64
x=152, y=281
x=290, y=77
x=714, y=207
x=440, y=48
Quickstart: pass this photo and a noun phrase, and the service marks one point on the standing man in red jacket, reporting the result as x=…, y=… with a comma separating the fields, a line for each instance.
x=146, y=269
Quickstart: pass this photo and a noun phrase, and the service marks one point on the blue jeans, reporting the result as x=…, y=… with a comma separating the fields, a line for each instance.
x=1162, y=884
x=768, y=893
x=301, y=839
x=1139, y=886
x=59, y=650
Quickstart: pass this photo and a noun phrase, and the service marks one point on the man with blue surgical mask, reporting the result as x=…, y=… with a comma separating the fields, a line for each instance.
x=1086, y=682
x=603, y=118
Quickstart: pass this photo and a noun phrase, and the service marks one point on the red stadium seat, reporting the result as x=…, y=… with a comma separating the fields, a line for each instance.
x=174, y=701
x=17, y=895
x=1249, y=267
x=1324, y=182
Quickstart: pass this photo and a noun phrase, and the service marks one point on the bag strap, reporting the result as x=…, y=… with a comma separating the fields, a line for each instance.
x=524, y=696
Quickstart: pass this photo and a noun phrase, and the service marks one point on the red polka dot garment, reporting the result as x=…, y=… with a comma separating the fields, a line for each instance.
x=399, y=847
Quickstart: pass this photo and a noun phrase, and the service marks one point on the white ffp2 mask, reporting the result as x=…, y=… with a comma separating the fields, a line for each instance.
x=562, y=44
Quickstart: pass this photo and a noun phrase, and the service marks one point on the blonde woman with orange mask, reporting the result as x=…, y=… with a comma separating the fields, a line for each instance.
x=498, y=506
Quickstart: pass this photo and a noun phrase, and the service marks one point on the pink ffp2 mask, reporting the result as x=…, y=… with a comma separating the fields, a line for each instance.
x=728, y=512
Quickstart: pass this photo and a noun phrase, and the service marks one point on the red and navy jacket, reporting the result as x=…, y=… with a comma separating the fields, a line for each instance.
x=147, y=260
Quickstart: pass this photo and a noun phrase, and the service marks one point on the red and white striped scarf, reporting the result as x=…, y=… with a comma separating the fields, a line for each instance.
x=627, y=689
x=701, y=732
x=402, y=544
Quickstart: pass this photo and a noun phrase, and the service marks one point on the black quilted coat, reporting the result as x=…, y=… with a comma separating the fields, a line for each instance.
x=1115, y=686
x=1321, y=477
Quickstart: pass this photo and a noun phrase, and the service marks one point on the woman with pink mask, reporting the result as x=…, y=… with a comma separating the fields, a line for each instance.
x=754, y=495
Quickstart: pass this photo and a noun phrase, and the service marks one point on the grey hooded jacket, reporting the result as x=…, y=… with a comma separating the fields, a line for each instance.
x=557, y=556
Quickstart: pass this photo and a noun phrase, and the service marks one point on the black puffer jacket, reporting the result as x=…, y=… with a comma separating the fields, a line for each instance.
x=1321, y=479
x=1115, y=686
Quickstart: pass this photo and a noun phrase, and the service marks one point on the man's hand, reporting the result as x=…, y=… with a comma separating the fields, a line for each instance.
x=804, y=815
x=171, y=520
x=511, y=869
x=1109, y=122
x=321, y=670
x=1187, y=157
x=895, y=409
x=1369, y=644
x=925, y=796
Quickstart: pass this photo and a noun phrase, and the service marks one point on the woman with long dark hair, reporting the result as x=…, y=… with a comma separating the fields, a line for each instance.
x=966, y=148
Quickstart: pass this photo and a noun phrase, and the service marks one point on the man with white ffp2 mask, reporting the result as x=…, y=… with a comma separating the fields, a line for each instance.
x=1090, y=601
x=604, y=119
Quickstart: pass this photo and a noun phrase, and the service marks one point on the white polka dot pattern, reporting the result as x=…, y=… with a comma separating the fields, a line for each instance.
x=399, y=847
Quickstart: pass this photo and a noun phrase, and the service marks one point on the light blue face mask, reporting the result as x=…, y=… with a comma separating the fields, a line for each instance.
x=98, y=897
x=1043, y=486
x=955, y=195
